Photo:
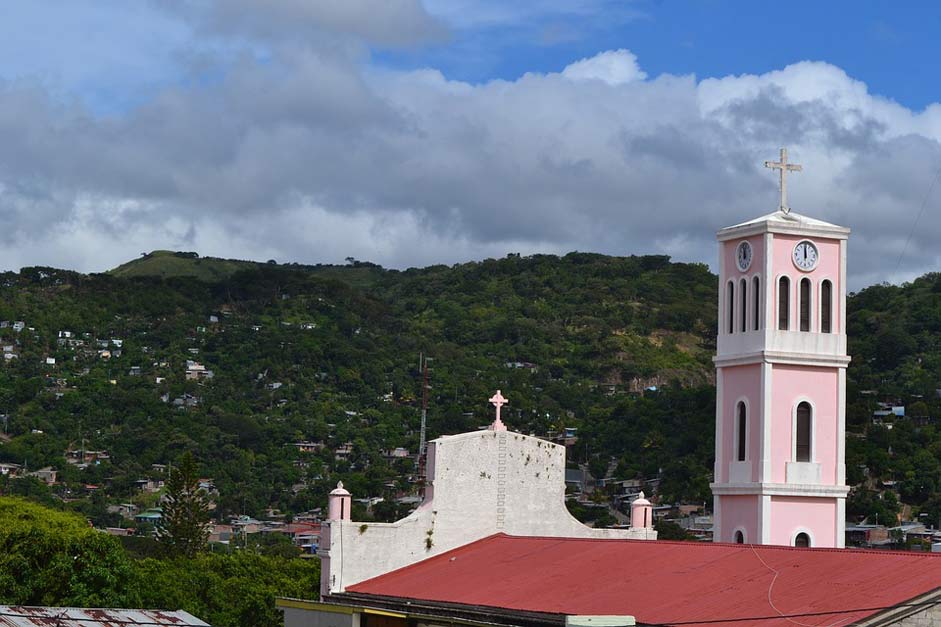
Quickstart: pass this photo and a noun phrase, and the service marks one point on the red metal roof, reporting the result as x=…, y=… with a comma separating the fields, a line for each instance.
x=666, y=582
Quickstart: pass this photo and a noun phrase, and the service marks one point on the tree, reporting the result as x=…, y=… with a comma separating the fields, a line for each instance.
x=184, y=528
x=669, y=530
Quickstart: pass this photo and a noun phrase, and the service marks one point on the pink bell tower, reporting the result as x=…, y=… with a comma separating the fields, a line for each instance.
x=781, y=380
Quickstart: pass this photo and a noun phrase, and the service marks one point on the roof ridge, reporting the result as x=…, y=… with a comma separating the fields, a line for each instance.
x=778, y=547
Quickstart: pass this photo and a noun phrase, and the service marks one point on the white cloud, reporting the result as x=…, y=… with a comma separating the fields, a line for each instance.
x=614, y=67
x=312, y=154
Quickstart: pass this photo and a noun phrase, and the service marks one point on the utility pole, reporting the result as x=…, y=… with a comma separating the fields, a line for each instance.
x=423, y=369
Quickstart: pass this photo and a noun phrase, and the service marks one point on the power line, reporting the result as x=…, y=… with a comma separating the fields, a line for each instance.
x=924, y=203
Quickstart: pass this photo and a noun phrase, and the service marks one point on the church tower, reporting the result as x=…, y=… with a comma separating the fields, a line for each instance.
x=781, y=380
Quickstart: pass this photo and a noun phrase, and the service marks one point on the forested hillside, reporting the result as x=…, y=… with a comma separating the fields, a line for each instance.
x=618, y=348
x=329, y=354
x=895, y=341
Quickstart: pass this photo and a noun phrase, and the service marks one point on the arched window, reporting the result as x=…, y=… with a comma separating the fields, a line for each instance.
x=731, y=300
x=755, y=285
x=739, y=537
x=826, y=306
x=744, y=287
x=784, y=303
x=802, y=450
x=802, y=540
x=805, y=304
x=742, y=419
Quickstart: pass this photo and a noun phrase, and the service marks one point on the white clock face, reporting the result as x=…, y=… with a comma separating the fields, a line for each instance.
x=805, y=255
x=743, y=256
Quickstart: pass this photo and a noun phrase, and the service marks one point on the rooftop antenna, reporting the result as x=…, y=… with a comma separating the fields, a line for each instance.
x=423, y=368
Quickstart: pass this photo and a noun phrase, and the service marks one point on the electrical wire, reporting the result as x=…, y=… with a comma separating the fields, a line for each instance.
x=771, y=588
x=924, y=203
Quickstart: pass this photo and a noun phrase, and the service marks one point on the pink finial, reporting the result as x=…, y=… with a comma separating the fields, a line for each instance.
x=498, y=401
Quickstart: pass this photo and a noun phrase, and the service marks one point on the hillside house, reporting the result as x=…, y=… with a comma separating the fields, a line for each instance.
x=151, y=516
x=221, y=534
x=396, y=453
x=47, y=475
x=149, y=485
x=307, y=447
x=19, y=325
x=9, y=470
x=183, y=402
x=343, y=451
x=302, y=534
x=195, y=371
x=80, y=457
x=125, y=510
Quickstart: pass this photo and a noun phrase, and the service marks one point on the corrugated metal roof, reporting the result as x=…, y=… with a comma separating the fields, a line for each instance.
x=666, y=582
x=25, y=616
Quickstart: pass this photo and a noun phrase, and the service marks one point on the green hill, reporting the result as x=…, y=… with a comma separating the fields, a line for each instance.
x=169, y=264
x=166, y=263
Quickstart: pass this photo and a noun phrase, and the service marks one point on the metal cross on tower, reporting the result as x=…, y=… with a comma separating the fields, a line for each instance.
x=784, y=168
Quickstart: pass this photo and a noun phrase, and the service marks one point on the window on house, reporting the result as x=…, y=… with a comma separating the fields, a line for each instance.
x=744, y=285
x=756, y=296
x=826, y=306
x=784, y=303
x=804, y=424
x=739, y=537
x=802, y=540
x=742, y=423
x=805, y=304
x=731, y=307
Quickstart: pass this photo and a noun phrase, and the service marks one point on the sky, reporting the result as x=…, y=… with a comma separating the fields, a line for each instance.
x=410, y=132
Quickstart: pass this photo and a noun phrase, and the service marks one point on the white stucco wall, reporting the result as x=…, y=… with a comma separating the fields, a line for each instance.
x=480, y=483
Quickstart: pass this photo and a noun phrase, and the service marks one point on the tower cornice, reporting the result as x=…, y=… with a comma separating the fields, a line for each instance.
x=786, y=224
x=780, y=489
x=778, y=357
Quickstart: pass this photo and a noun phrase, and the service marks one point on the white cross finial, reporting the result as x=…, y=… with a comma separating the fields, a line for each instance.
x=498, y=401
x=784, y=168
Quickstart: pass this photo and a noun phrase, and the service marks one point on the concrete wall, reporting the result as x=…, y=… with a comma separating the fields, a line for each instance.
x=298, y=617
x=481, y=483
x=929, y=617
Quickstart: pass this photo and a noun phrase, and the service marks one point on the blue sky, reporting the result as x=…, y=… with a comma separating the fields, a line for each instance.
x=893, y=48
x=115, y=54
x=307, y=130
